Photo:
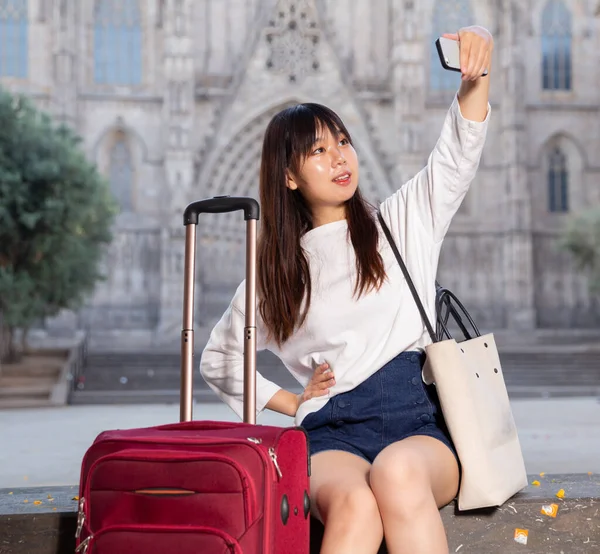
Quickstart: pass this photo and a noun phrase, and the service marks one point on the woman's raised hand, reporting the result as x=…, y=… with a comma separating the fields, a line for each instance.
x=476, y=46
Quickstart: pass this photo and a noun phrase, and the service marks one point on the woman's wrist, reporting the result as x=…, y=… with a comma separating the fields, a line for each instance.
x=284, y=402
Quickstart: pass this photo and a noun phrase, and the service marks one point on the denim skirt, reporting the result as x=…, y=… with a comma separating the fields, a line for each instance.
x=389, y=406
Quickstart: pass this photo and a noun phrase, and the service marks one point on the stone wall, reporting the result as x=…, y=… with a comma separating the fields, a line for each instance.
x=215, y=71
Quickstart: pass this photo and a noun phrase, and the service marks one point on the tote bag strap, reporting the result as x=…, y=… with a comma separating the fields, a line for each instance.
x=404, y=269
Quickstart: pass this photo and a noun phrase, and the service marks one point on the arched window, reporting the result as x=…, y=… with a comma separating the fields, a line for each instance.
x=13, y=38
x=448, y=17
x=121, y=174
x=558, y=181
x=556, y=46
x=117, y=42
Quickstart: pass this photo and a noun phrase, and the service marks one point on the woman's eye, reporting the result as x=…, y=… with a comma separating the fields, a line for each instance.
x=344, y=141
x=319, y=151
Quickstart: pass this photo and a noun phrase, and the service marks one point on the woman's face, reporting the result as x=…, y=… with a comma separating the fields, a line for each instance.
x=328, y=176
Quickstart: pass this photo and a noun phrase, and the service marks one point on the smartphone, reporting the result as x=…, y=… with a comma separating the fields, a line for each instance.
x=449, y=52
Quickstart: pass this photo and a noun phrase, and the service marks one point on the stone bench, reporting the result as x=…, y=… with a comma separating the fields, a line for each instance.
x=30, y=527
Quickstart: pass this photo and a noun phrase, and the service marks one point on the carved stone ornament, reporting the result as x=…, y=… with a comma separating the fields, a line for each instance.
x=293, y=38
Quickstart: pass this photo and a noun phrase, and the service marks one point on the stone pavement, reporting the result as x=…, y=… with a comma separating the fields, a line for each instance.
x=44, y=447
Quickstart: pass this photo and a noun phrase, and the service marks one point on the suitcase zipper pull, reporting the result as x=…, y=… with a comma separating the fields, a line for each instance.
x=84, y=545
x=275, y=462
x=80, y=518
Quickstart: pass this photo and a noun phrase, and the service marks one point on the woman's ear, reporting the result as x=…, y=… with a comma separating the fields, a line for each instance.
x=290, y=182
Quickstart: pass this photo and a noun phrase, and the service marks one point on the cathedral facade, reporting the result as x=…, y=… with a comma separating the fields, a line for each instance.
x=172, y=97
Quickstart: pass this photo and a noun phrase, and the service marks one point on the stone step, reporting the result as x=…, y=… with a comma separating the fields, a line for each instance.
x=14, y=382
x=48, y=525
x=42, y=376
x=509, y=362
x=123, y=377
x=160, y=371
x=31, y=390
x=551, y=391
x=33, y=372
x=128, y=380
x=162, y=396
x=131, y=381
x=584, y=366
x=171, y=396
x=508, y=365
x=23, y=403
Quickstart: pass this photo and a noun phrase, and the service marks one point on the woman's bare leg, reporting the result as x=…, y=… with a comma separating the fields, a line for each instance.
x=344, y=502
x=411, y=479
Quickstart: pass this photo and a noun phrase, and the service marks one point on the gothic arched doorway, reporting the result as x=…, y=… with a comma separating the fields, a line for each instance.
x=235, y=171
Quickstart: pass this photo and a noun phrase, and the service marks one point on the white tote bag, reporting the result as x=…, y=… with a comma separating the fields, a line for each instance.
x=470, y=385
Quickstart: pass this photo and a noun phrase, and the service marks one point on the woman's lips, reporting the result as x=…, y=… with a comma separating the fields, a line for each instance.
x=343, y=179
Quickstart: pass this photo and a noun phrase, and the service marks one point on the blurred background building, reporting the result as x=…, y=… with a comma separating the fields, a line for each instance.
x=171, y=98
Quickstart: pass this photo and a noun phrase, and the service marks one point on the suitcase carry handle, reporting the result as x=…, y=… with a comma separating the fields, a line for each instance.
x=219, y=204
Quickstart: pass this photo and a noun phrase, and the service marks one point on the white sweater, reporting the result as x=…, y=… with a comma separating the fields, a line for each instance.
x=358, y=337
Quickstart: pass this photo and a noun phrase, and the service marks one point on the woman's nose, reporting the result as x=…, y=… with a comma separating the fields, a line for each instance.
x=338, y=158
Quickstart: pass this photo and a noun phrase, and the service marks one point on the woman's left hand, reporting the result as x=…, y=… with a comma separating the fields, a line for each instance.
x=476, y=46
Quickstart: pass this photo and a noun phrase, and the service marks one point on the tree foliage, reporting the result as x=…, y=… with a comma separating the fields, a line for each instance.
x=582, y=240
x=56, y=213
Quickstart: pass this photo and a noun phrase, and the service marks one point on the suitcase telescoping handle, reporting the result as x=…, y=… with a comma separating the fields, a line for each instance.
x=219, y=204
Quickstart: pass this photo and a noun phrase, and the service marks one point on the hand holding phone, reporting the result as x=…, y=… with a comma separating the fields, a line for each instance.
x=449, y=53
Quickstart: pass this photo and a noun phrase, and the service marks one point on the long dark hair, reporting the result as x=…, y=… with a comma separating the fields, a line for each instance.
x=283, y=271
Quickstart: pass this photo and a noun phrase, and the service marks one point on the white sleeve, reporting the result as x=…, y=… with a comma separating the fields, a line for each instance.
x=222, y=361
x=434, y=195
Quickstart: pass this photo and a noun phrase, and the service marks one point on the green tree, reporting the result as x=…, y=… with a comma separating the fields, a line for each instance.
x=582, y=240
x=56, y=213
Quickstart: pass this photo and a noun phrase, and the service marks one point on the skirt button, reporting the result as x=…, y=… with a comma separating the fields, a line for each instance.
x=339, y=423
x=415, y=381
x=425, y=418
x=342, y=403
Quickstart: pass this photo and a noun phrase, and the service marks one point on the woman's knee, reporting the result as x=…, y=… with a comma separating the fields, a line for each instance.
x=357, y=505
x=401, y=482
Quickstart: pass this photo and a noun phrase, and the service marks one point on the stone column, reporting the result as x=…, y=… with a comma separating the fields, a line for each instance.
x=178, y=106
x=517, y=228
x=178, y=121
x=65, y=19
x=408, y=87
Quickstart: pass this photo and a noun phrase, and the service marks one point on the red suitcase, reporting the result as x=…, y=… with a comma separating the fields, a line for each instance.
x=199, y=487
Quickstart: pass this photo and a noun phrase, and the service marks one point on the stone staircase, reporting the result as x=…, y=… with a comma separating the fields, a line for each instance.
x=145, y=377
x=43, y=376
x=128, y=377
x=33, y=382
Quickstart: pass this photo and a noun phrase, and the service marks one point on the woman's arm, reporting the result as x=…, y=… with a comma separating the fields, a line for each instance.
x=288, y=403
x=284, y=402
x=473, y=99
x=222, y=362
x=429, y=200
x=476, y=48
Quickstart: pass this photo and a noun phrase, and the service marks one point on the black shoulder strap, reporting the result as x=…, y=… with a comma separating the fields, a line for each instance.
x=411, y=285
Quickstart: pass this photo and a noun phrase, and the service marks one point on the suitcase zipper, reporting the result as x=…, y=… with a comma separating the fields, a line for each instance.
x=80, y=518
x=273, y=456
x=84, y=545
x=240, y=441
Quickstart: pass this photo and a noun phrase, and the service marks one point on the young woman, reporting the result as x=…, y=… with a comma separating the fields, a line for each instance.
x=335, y=308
